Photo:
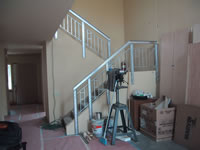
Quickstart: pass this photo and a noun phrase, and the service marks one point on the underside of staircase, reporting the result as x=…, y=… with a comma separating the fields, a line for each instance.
x=69, y=117
x=95, y=41
x=93, y=86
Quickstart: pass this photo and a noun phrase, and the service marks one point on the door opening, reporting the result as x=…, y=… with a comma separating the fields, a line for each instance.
x=24, y=79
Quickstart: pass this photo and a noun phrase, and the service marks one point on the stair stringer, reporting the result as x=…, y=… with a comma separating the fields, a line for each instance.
x=99, y=105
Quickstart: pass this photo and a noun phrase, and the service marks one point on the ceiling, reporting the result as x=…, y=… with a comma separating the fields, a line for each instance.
x=31, y=20
x=24, y=49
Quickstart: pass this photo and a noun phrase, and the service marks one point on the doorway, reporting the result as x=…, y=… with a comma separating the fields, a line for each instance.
x=25, y=84
x=24, y=76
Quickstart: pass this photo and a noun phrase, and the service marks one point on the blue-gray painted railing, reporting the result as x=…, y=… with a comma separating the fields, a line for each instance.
x=126, y=51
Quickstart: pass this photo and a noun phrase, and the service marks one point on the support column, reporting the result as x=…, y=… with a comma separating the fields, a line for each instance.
x=3, y=84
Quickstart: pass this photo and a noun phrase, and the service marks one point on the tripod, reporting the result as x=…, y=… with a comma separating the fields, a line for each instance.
x=123, y=129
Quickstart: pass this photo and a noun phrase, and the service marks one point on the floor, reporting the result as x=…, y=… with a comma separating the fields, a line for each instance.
x=31, y=118
x=146, y=143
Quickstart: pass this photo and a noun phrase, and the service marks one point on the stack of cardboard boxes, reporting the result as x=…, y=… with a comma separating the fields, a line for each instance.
x=163, y=121
x=157, y=120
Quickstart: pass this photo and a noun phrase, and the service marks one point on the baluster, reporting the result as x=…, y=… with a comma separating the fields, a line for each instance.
x=102, y=82
x=98, y=46
x=80, y=100
x=146, y=56
x=132, y=63
x=94, y=87
x=83, y=38
x=142, y=58
x=91, y=41
x=75, y=28
x=149, y=54
x=107, y=91
x=75, y=113
x=109, y=49
x=87, y=39
x=101, y=47
x=156, y=60
x=105, y=49
x=90, y=99
x=94, y=42
x=140, y=55
x=84, y=97
x=68, y=23
x=119, y=61
x=71, y=20
x=79, y=34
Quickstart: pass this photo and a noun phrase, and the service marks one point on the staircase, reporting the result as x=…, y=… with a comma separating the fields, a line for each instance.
x=96, y=41
x=123, y=55
x=94, y=85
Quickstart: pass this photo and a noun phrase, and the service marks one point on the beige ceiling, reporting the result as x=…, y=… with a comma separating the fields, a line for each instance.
x=31, y=20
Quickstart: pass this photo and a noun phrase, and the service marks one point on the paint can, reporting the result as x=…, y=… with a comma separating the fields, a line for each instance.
x=98, y=115
x=97, y=127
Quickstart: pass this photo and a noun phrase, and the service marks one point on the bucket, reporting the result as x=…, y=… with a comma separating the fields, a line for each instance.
x=97, y=127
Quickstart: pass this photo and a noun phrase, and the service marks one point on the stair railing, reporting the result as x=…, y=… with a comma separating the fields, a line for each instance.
x=93, y=85
x=87, y=34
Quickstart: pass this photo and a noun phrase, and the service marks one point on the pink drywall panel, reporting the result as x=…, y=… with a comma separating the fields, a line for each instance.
x=173, y=68
x=193, y=88
x=180, y=66
x=119, y=145
x=64, y=143
x=31, y=119
x=53, y=133
x=31, y=134
x=166, y=61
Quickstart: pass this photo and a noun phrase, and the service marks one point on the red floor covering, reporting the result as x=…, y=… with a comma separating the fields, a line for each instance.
x=31, y=118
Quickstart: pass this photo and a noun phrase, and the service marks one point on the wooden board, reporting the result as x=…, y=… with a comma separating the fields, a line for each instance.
x=166, y=47
x=196, y=33
x=181, y=41
x=193, y=88
x=173, y=68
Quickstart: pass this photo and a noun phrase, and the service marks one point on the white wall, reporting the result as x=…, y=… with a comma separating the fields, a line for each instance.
x=69, y=66
x=69, y=69
x=44, y=80
x=3, y=84
x=106, y=15
x=149, y=19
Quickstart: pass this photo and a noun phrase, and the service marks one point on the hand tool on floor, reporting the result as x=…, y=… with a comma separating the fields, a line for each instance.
x=83, y=138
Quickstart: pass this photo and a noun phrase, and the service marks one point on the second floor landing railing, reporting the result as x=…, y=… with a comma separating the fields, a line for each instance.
x=89, y=36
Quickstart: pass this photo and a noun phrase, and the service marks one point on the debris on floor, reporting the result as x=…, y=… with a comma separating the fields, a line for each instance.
x=52, y=125
x=124, y=138
x=87, y=136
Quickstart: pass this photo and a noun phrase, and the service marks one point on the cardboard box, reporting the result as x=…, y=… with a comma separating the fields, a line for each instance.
x=159, y=124
x=187, y=128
